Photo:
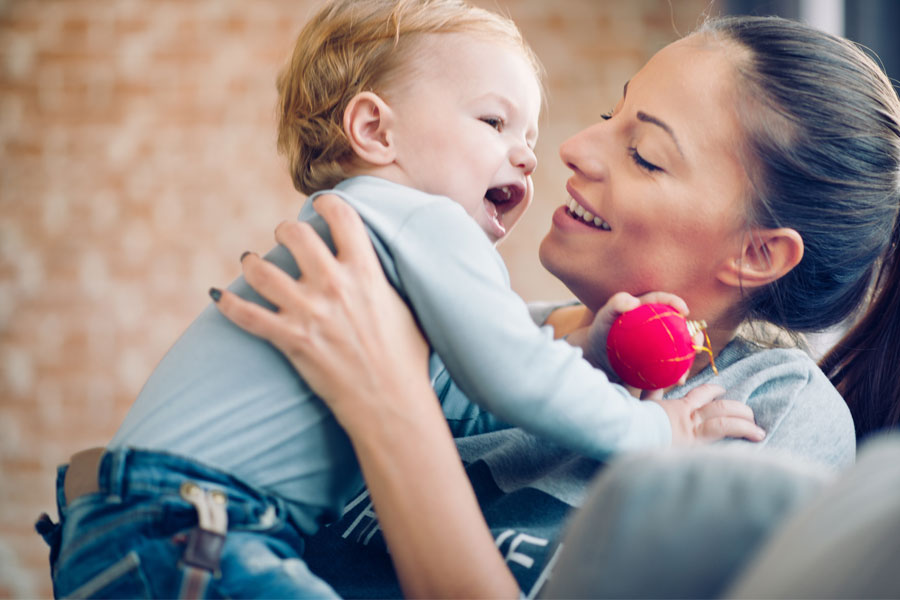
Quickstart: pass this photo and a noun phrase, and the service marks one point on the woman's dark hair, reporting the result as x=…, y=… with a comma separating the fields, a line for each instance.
x=822, y=152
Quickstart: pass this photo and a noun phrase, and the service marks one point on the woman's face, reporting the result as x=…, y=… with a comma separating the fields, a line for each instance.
x=661, y=181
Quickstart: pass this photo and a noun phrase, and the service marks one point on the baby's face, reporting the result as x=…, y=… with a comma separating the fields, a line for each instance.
x=467, y=122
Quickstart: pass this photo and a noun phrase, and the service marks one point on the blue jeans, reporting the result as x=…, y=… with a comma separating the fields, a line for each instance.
x=140, y=536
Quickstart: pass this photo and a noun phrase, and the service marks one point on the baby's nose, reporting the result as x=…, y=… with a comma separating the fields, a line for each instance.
x=525, y=159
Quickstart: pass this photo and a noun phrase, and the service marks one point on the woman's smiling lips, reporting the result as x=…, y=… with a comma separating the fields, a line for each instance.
x=577, y=211
x=574, y=214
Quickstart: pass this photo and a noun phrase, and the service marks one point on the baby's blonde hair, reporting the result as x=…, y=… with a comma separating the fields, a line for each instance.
x=352, y=46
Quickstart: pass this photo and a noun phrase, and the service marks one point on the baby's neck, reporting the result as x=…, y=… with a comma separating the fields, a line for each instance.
x=390, y=172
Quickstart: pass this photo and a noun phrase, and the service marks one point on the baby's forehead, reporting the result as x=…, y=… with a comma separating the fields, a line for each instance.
x=477, y=63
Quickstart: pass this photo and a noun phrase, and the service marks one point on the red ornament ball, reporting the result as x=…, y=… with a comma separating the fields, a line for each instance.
x=650, y=347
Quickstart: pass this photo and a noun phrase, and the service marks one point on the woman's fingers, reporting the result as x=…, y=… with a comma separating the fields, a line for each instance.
x=269, y=281
x=250, y=316
x=312, y=255
x=342, y=316
x=352, y=243
x=348, y=231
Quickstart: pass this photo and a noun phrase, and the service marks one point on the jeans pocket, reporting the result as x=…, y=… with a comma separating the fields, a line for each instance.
x=122, y=579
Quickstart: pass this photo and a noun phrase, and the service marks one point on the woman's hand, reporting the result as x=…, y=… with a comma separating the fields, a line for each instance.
x=342, y=325
x=356, y=343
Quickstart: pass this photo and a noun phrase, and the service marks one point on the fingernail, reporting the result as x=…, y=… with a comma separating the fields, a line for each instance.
x=244, y=255
x=215, y=294
x=761, y=432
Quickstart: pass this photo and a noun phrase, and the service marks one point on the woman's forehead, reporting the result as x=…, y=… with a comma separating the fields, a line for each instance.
x=690, y=85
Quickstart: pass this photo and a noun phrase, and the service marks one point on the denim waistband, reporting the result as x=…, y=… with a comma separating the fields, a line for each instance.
x=128, y=475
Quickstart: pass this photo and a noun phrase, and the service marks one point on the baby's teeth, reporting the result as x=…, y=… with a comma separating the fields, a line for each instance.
x=506, y=192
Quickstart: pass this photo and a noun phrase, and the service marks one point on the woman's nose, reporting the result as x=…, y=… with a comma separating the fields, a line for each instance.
x=523, y=157
x=583, y=152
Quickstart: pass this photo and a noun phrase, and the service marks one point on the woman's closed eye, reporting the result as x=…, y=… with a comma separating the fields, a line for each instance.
x=496, y=122
x=641, y=162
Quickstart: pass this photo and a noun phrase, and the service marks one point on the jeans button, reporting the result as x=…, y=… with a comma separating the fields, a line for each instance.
x=189, y=490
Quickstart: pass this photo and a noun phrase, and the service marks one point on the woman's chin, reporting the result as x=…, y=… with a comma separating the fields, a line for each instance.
x=557, y=262
x=546, y=252
x=555, y=254
x=563, y=264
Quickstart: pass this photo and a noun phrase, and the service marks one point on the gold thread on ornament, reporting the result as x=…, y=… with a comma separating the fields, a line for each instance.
x=697, y=326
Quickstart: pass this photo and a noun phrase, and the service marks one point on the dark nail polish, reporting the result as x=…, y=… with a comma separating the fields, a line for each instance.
x=215, y=294
x=244, y=255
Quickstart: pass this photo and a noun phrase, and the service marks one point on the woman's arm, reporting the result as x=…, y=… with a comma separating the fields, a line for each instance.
x=355, y=342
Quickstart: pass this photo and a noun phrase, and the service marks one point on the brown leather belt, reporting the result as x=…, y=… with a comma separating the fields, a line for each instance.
x=81, y=476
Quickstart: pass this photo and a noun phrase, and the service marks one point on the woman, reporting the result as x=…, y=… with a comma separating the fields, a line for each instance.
x=751, y=168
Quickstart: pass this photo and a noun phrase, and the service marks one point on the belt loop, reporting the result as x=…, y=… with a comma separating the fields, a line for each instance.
x=114, y=472
x=61, y=502
x=205, y=542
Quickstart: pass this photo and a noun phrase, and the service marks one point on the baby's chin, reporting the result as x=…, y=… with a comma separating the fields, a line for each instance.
x=493, y=227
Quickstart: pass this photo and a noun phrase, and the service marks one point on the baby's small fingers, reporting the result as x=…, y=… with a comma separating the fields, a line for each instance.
x=619, y=304
x=666, y=298
x=718, y=428
x=722, y=407
x=702, y=395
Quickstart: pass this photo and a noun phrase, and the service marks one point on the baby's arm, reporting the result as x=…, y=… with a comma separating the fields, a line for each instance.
x=459, y=290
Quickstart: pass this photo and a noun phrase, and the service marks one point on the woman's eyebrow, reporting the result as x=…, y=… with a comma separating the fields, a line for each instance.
x=644, y=117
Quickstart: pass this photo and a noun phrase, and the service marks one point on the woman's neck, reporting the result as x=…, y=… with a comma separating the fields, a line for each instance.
x=719, y=337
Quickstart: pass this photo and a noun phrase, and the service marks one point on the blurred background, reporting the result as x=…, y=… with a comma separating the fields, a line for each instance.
x=137, y=162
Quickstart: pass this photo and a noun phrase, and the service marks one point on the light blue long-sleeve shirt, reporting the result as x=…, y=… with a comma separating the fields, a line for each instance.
x=232, y=401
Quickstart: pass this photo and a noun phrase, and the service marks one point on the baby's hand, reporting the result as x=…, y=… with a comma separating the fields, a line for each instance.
x=592, y=339
x=702, y=416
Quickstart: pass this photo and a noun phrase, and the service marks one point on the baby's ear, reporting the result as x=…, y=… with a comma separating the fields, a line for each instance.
x=765, y=255
x=368, y=124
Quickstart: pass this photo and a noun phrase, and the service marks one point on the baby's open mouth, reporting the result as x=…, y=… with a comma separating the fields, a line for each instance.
x=577, y=211
x=505, y=197
x=499, y=201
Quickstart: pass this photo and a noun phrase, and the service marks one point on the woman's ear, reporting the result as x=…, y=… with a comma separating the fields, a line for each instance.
x=765, y=255
x=368, y=124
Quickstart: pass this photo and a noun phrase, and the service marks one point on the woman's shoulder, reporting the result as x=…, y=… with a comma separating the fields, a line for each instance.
x=792, y=400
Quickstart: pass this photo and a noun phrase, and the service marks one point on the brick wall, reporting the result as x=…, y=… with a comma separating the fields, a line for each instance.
x=137, y=162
